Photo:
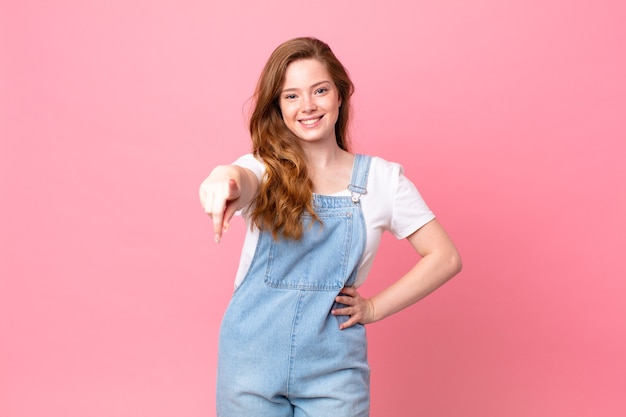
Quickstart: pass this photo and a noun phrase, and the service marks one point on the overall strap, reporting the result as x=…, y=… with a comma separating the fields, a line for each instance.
x=358, y=182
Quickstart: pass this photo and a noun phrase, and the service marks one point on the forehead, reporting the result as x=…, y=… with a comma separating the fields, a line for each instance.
x=304, y=73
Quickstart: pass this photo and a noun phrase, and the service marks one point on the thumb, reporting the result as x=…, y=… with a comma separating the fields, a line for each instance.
x=233, y=189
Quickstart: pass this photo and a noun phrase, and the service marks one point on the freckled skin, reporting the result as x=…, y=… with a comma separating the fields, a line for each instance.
x=309, y=101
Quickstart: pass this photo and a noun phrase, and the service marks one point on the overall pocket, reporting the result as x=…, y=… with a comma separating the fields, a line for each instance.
x=318, y=261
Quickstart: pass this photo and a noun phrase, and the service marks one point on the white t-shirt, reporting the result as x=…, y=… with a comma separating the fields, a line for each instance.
x=392, y=203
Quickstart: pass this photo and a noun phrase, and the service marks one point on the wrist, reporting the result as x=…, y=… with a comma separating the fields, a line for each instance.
x=371, y=306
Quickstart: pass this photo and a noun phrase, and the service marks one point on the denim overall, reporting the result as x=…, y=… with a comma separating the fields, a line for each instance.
x=281, y=352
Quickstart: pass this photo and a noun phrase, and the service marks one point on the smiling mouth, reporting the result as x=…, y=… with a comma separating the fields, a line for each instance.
x=310, y=122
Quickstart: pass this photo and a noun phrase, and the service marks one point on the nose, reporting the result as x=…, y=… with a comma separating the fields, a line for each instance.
x=308, y=104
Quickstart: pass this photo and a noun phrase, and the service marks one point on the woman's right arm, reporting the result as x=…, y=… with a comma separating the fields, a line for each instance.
x=227, y=189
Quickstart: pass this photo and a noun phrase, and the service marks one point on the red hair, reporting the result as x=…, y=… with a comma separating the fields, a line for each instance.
x=286, y=191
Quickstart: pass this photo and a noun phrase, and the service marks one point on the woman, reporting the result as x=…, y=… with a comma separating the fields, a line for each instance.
x=292, y=341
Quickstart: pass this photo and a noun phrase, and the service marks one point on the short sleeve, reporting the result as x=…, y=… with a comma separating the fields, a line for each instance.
x=409, y=212
x=248, y=161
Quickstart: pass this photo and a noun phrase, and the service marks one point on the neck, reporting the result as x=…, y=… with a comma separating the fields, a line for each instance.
x=321, y=157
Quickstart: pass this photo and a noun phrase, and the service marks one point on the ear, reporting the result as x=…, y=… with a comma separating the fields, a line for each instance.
x=340, y=102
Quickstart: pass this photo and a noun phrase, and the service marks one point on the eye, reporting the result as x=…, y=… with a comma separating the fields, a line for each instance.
x=321, y=90
x=289, y=96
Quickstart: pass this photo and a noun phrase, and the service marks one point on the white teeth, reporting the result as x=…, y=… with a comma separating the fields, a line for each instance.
x=309, y=122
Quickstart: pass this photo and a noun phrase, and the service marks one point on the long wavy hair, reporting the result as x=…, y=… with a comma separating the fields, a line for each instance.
x=286, y=191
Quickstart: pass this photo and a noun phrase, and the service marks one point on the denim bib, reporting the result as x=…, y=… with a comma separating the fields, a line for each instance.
x=280, y=348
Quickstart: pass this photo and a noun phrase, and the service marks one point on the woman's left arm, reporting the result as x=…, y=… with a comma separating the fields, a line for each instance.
x=439, y=262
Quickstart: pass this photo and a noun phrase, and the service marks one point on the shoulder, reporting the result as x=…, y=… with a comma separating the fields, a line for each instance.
x=383, y=171
x=379, y=163
x=383, y=179
x=387, y=179
x=398, y=197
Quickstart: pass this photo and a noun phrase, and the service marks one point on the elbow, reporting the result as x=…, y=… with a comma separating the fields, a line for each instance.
x=458, y=264
x=454, y=263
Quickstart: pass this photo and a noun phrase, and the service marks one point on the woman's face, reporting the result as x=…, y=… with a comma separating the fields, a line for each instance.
x=309, y=101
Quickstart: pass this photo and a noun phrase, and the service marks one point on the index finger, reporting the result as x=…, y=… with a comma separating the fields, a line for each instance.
x=351, y=291
x=217, y=215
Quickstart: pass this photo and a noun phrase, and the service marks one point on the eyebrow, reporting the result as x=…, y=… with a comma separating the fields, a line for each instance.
x=312, y=86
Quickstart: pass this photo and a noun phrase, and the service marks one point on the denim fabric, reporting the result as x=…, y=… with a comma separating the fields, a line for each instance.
x=281, y=352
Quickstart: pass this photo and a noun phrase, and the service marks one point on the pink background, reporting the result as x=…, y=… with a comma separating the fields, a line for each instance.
x=509, y=116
